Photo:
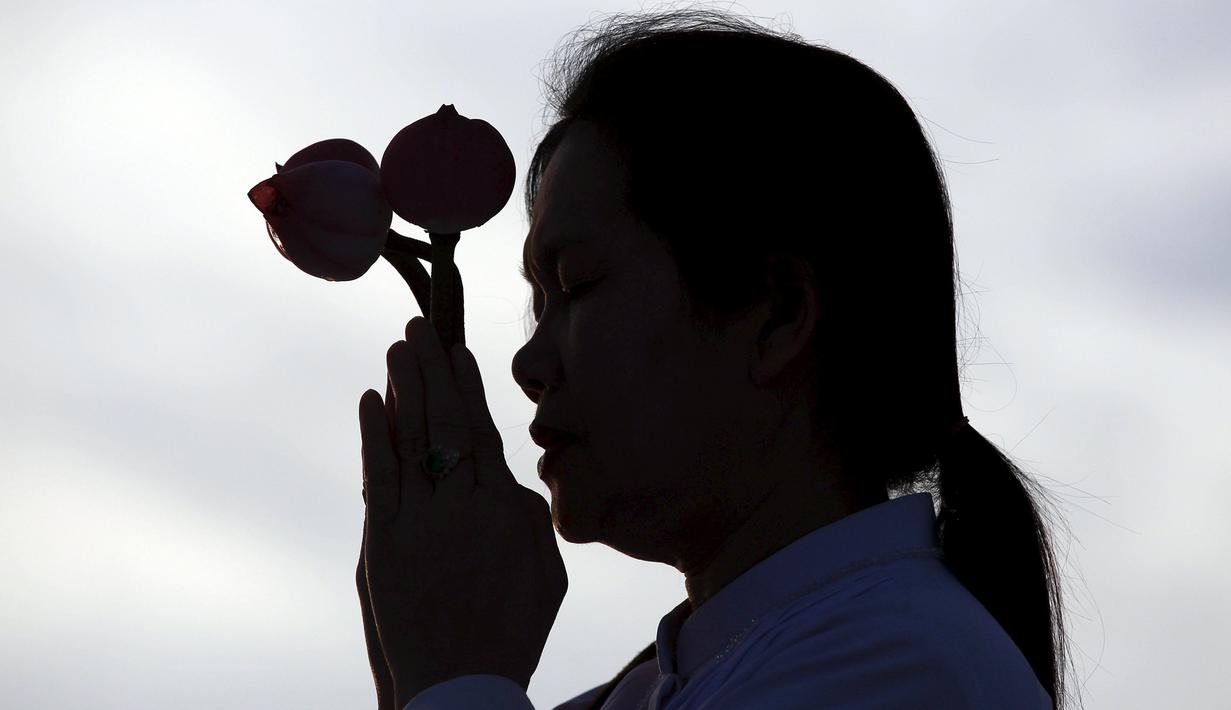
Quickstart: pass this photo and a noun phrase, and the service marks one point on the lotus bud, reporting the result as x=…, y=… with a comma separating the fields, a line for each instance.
x=332, y=149
x=447, y=173
x=329, y=217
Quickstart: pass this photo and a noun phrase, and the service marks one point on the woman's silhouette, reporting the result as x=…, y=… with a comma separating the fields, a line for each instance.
x=744, y=286
x=758, y=336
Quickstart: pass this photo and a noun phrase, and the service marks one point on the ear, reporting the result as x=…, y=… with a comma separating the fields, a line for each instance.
x=784, y=345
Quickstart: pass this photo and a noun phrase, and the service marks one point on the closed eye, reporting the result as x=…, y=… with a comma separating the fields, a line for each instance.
x=568, y=294
x=571, y=292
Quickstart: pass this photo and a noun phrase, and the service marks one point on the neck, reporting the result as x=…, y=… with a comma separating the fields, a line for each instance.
x=792, y=508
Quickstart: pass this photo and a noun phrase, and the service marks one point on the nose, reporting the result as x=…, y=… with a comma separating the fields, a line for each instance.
x=529, y=365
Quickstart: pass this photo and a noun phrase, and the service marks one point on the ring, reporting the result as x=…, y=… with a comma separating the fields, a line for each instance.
x=439, y=461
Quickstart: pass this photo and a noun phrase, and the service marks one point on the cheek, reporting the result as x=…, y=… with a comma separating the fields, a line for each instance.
x=621, y=337
x=633, y=378
x=647, y=421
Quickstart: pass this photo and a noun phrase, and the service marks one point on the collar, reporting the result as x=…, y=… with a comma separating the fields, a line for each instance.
x=900, y=527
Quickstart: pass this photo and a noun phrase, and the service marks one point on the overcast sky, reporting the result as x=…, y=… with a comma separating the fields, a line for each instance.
x=180, y=472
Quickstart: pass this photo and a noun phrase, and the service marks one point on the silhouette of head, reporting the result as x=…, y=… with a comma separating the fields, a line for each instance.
x=752, y=234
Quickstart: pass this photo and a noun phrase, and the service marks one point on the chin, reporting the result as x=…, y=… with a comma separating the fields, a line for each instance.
x=576, y=532
x=569, y=536
x=572, y=528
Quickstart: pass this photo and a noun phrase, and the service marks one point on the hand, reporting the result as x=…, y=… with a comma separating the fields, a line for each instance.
x=464, y=574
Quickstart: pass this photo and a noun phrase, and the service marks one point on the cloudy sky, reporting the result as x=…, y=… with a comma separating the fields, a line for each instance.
x=180, y=474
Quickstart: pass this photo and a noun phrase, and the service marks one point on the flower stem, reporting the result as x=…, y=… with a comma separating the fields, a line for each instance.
x=444, y=304
x=404, y=254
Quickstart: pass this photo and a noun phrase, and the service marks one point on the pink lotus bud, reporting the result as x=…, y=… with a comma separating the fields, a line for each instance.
x=447, y=173
x=330, y=218
x=332, y=149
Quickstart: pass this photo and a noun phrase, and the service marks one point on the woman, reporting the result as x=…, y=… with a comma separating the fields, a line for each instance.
x=745, y=364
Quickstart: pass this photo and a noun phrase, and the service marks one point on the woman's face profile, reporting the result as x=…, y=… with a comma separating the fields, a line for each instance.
x=664, y=415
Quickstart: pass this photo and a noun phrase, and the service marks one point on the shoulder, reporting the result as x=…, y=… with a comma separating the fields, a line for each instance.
x=902, y=635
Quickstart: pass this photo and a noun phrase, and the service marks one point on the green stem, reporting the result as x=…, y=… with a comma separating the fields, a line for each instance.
x=404, y=254
x=444, y=287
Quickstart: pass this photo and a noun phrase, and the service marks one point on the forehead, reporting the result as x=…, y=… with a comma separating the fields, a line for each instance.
x=580, y=191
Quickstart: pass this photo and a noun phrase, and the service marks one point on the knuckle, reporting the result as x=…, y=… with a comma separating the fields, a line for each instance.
x=381, y=497
x=448, y=427
x=409, y=442
x=377, y=478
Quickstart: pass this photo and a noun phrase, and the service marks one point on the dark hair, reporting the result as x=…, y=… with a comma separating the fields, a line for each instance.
x=740, y=143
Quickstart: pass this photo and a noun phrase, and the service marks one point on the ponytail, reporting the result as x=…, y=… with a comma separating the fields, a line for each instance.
x=996, y=543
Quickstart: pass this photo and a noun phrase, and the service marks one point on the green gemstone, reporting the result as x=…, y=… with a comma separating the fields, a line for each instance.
x=439, y=461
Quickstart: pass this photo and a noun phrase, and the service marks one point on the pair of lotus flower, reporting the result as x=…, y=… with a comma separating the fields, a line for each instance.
x=328, y=210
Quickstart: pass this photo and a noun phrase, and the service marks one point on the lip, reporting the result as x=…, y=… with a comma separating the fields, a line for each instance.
x=549, y=437
x=550, y=460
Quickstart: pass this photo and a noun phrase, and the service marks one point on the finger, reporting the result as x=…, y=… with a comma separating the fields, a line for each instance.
x=389, y=412
x=391, y=409
x=409, y=426
x=446, y=418
x=490, y=467
x=380, y=467
x=389, y=404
